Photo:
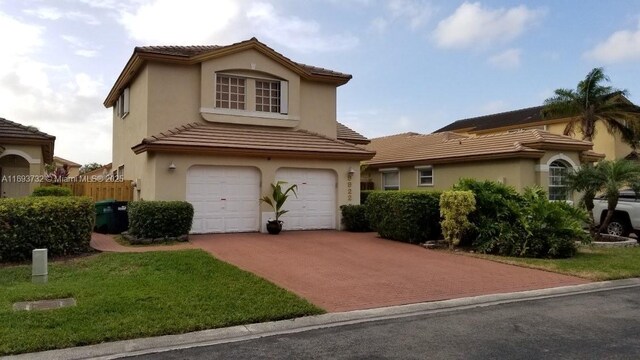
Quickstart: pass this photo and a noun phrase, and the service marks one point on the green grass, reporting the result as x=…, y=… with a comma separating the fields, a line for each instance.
x=590, y=263
x=124, y=296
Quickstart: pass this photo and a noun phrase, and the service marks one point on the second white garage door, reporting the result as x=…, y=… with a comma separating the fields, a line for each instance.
x=224, y=198
x=315, y=207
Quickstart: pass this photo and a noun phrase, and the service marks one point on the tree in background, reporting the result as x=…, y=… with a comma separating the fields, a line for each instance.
x=592, y=102
x=89, y=167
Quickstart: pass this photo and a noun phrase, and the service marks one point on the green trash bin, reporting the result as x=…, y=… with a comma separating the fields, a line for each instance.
x=105, y=221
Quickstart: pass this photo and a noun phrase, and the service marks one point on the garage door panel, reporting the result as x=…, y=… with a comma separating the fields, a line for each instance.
x=224, y=198
x=315, y=206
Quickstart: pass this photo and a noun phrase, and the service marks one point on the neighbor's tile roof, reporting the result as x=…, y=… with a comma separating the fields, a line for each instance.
x=198, y=137
x=347, y=134
x=504, y=119
x=65, y=161
x=450, y=147
x=10, y=129
x=11, y=132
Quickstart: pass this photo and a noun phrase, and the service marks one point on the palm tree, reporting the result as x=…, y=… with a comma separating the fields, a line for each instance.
x=593, y=102
x=606, y=177
x=588, y=181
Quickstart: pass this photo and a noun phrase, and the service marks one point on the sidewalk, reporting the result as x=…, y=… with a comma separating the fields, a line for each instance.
x=135, y=347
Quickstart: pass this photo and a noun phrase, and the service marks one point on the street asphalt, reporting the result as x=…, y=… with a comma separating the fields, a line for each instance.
x=594, y=325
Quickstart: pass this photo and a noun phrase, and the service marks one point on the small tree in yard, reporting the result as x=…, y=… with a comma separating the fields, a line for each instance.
x=455, y=207
x=589, y=181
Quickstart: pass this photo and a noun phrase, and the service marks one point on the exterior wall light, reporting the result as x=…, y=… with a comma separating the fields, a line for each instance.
x=172, y=166
x=351, y=171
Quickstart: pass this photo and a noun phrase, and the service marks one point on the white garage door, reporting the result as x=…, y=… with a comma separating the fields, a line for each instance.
x=315, y=207
x=224, y=199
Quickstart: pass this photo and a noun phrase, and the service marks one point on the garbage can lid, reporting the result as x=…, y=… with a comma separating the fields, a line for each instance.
x=107, y=201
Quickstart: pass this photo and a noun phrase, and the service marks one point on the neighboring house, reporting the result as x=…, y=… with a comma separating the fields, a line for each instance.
x=217, y=125
x=102, y=172
x=24, y=150
x=437, y=161
x=72, y=167
x=603, y=142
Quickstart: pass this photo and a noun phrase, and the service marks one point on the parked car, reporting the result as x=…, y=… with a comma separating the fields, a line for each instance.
x=626, y=218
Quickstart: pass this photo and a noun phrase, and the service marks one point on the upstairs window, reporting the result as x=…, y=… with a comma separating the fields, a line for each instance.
x=268, y=96
x=122, y=104
x=230, y=92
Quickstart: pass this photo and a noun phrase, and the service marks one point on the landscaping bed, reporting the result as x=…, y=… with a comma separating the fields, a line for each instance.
x=124, y=296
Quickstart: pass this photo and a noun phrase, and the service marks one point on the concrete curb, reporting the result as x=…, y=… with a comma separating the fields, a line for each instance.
x=124, y=348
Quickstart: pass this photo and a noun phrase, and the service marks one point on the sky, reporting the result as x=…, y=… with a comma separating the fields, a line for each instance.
x=416, y=65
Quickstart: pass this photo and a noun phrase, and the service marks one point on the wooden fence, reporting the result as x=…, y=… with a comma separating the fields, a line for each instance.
x=120, y=190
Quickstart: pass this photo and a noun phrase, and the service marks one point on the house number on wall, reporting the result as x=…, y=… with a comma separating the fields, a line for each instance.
x=349, y=191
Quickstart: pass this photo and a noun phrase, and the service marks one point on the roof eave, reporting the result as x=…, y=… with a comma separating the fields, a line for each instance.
x=150, y=147
x=510, y=155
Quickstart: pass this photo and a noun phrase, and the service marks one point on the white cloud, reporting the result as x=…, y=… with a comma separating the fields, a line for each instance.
x=413, y=13
x=51, y=97
x=508, y=59
x=295, y=33
x=621, y=46
x=416, y=13
x=80, y=47
x=52, y=13
x=472, y=25
x=226, y=21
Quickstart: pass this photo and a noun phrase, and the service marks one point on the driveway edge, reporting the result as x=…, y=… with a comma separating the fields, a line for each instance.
x=124, y=348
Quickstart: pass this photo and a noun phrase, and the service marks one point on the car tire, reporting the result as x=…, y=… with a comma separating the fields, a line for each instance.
x=618, y=227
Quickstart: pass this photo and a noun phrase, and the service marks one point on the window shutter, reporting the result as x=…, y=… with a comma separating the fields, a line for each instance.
x=126, y=101
x=284, y=97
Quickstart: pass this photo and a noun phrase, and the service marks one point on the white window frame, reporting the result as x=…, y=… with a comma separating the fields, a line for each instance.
x=122, y=104
x=384, y=172
x=244, y=102
x=250, y=92
x=420, y=169
x=566, y=166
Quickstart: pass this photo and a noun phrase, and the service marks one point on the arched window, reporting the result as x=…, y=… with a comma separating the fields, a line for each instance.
x=558, y=180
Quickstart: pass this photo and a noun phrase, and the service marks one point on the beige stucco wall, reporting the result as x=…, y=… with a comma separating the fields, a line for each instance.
x=132, y=129
x=171, y=185
x=30, y=163
x=519, y=173
x=318, y=112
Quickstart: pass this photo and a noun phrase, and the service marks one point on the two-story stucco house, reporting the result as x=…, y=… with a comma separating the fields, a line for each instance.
x=217, y=125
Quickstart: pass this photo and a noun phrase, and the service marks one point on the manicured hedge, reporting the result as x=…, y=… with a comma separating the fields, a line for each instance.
x=160, y=219
x=63, y=225
x=364, y=194
x=52, y=191
x=354, y=218
x=409, y=216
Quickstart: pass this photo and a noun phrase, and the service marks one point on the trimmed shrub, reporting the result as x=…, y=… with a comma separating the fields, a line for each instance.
x=528, y=225
x=63, y=225
x=354, y=218
x=52, y=191
x=455, y=207
x=364, y=194
x=409, y=216
x=160, y=219
x=495, y=204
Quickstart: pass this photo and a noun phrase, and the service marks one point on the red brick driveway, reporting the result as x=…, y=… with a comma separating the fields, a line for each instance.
x=341, y=271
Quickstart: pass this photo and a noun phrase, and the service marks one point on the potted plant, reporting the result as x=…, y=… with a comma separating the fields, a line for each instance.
x=276, y=201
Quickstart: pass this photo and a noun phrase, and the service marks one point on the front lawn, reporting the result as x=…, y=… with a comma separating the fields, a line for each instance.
x=590, y=263
x=124, y=296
